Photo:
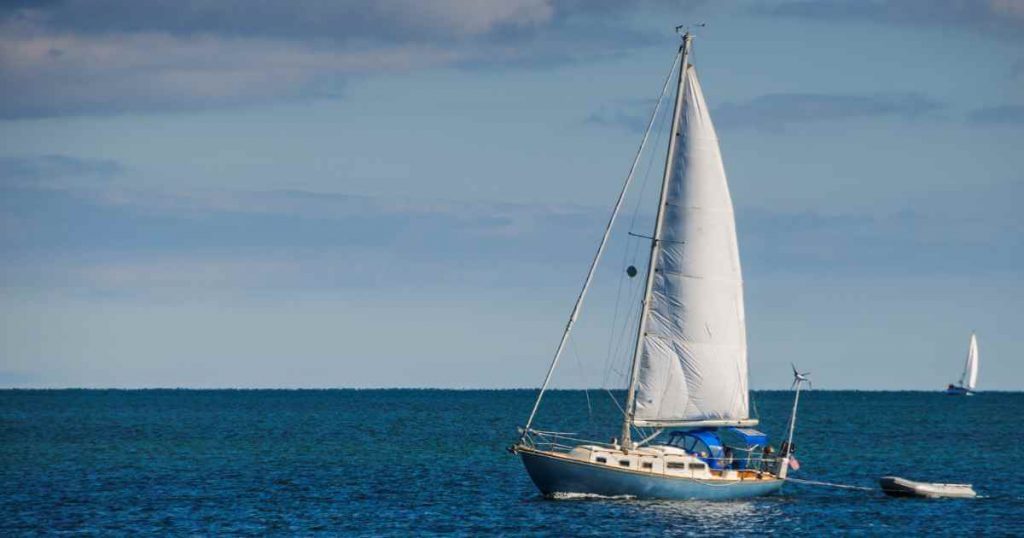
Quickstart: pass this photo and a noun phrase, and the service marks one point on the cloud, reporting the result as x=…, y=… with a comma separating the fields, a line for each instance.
x=629, y=114
x=66, y=74
x=177, y=246
x=1002, y=18
x=55, y=171
x=904, y=243
x=998, y=115
x=391, y=21
x=777, y=111
x=1017, y=69
x=281, y=241
x=119, y=56
x=108, y=237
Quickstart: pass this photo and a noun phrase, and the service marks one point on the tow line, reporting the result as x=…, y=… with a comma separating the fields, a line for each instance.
x=830, y=484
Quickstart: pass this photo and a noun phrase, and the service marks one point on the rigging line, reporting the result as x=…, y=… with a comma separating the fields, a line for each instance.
x=600, y=250
x=829, y=484
x=631, y=251
x=583, y=377
x=615, y=321
x=647, y=174
x=632, y=247
x=616, y=402
x=630, y=322
x=616, y=335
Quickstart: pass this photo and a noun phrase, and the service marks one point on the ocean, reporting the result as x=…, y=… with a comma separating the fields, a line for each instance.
x=434, y=462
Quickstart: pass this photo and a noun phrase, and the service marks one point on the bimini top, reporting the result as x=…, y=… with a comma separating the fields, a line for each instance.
x=712, y=438
x=750, y=436
x=704, y=443
x=707, y=444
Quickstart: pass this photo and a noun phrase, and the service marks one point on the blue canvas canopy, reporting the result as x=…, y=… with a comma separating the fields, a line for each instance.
x=704, y=443
x=707, y=444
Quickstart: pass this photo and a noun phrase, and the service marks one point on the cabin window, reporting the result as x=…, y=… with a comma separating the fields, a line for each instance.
x=698, y=466
x=647, y=465
x=676, y=465
x=623, y=463
x=601, y=460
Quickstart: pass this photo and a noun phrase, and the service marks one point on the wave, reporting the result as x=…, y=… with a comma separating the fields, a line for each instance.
x=571, y=496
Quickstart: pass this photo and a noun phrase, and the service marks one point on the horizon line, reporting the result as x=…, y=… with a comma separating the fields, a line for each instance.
x=441, y=389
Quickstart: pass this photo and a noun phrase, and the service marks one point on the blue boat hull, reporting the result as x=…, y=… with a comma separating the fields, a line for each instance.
x=958, y=391
x=553, y=474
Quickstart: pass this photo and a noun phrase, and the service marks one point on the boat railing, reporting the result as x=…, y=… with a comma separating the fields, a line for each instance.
x=742, y=458
x=551, y=440
x=751, y=458
x=753, y=463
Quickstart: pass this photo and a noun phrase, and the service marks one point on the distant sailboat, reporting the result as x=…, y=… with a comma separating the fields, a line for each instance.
x=688, y=378
x=969, y=379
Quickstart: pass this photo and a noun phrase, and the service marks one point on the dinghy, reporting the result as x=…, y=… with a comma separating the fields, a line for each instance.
x=901, y=487
x=688, y=376
x=968, y=379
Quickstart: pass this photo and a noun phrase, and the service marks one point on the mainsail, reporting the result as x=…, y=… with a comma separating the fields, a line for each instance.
x=969, y=379
x=693, y=351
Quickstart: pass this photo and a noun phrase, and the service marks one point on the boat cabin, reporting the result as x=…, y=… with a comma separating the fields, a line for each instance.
x=658, y=459
x=709, y=453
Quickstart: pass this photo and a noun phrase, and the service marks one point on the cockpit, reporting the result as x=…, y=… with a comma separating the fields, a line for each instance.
x=722, y=448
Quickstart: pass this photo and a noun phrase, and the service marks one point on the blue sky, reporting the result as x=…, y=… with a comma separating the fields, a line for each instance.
x=400, y=193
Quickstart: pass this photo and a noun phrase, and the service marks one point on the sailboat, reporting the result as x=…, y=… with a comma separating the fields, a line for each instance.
x=687, y=431
x=968, y=379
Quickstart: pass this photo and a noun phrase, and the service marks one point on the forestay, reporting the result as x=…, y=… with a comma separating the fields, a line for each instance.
x=693, y=355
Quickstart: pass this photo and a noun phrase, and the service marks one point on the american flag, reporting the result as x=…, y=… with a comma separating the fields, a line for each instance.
x=793, y=463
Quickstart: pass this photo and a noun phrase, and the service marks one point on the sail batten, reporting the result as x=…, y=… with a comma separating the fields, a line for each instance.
x=692, y=365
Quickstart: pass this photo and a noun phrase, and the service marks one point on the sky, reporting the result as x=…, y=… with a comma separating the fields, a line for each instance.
x=397, y=193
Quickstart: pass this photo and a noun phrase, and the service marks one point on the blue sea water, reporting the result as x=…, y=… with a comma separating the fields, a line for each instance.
x=423, y=462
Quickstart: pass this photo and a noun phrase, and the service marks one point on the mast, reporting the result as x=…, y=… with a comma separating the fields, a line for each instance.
x=684, y=52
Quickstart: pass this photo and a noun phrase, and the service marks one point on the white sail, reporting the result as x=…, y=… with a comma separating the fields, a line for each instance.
x=693, y=362
x=970, y=377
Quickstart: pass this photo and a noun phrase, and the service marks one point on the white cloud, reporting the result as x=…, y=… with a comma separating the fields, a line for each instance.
x=52, y=74
x=108, y=56
x=469, y=17
x=1013, y=9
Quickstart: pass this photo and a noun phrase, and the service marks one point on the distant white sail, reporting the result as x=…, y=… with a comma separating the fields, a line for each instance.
x=970, y=377
x=693, y=362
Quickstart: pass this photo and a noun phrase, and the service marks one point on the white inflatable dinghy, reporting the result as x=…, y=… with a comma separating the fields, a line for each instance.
x=901, y=487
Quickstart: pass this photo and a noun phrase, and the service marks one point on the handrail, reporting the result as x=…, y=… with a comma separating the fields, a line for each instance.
x=750, y=459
